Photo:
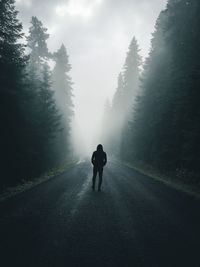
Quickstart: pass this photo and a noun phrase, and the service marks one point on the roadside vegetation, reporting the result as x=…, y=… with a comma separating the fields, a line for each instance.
x=27, y=184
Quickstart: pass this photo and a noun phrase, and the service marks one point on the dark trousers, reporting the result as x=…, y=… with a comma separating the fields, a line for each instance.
x=100, y=171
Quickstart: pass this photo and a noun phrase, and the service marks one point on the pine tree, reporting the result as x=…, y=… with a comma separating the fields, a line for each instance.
x=62, y=85
x=36, y=42
x=130, y=91
x=166, y=126
x=153, y=99
x=117, y=104
x=131, y=76
x=47, y=105
x=117, y=117
x=12, y=93
x=44, y=113
x=184, y=43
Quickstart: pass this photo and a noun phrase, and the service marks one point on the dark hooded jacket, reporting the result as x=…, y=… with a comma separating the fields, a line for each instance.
x=99, y=158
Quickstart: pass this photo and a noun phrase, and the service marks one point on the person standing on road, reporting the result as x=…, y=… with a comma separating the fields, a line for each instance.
x=99, y=160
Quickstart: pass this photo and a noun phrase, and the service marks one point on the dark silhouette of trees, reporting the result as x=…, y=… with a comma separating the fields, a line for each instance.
x=164, y=125
x=30, y=117
x=167, y=128
x=131, y=71
x=12, y=74
x=131, y=88
x=154, y=115
x=44, y=113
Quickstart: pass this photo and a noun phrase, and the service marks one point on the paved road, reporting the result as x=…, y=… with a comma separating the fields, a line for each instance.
x=134, y=221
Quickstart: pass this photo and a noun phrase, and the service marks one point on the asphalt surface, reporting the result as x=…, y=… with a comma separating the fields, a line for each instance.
x=134, y=221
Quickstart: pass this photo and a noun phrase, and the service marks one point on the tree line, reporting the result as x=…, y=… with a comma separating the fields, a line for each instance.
x=154, y=117
x=36, y=106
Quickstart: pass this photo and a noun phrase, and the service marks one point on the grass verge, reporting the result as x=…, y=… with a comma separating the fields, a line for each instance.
x=175, y=183
x=28, y=184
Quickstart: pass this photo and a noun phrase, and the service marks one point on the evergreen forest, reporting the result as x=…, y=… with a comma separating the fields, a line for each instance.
x=35, y=117
x=153, y=121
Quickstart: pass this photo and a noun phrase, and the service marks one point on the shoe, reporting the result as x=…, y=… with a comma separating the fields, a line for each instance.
x=93, y=188
x=99, y=189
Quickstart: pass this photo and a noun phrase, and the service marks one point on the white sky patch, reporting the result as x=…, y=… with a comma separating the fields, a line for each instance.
x=83, y=8
x=26, y=3
x=97, y=34
x=52, y=30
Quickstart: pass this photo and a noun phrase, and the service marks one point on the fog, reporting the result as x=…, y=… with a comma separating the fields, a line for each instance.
x=96, y=34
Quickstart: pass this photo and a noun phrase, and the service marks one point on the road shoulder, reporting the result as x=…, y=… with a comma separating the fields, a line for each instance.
x=168, y=181
x=28, y=184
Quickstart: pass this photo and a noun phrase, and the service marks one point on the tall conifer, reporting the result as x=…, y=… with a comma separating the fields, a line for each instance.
x=62, y=85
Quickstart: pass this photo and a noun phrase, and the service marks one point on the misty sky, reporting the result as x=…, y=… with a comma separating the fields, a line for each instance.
x=96, y=34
